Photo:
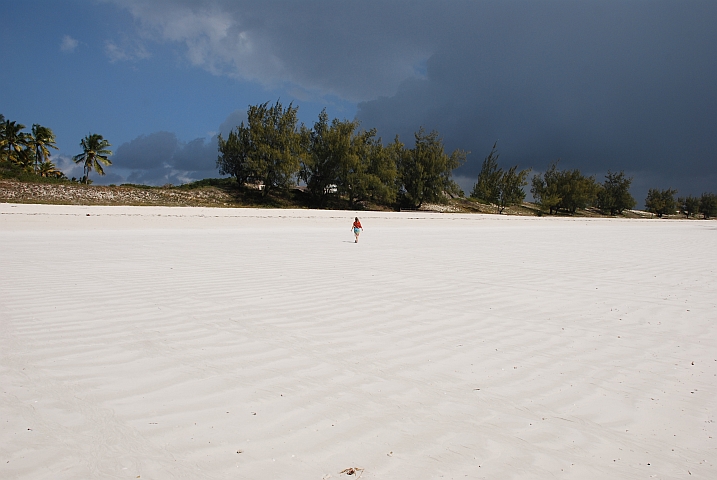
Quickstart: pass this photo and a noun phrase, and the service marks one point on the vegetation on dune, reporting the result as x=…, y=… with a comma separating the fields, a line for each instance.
x=40, y=141
x=342, y=160
x=337, y=158
x=13, y=141
x=708, y=205
x=498, y=187
x=661, y=202
x=24, y=154
x=688, y=205
x=570, y=190
x=273, y=160
x=567, y=190
x=613, y=196
x=94, y=155
x=424, y=172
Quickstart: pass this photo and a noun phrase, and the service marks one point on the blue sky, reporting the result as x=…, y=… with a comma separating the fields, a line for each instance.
x=81, y=67
x=600, y=85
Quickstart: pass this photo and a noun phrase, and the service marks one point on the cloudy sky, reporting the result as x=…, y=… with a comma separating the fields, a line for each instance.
x=622, y=85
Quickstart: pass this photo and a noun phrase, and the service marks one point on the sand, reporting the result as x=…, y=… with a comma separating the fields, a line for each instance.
x=143, y=342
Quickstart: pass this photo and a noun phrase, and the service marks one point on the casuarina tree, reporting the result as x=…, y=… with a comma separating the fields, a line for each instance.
x=487, y=187
x=567, y=190
x=425, y=170
x=708, y=205
x=661, y=202
x=511, y=187
x=329, y=147
x=614, y=194
x=498, y=187
x=276, y=144
x=688, y=205
x=234, y=154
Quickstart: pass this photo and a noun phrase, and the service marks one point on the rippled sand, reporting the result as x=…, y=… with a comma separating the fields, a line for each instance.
x=142, y=342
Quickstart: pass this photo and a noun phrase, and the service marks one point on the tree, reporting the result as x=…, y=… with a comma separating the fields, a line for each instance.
x=40, y=140
x=383, y=169
x=688, y=205
x=425, y=170
x=661, y=202
x=498, y=187
x=234, y=155
x=546, y=188
x=94, y=155
x=577, y=190
x=26, y=159
x=329, y=147
x=511, y=187
x=351, y=178
x=614, y=195
x=708, y=205
x=48, y=169
x=12, y=142
x=567, y=189
x=276, y=145
x=368, y=170
x=267, y=149
x=487, y=188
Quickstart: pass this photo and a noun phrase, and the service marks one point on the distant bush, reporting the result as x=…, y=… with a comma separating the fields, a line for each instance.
x=497, y=186
x=140, y=186
x=12, y=171
x=708, y=205
x=661, y=202
x=210, y=182
x=614, y=194
x=563, y=189
x=689, y=205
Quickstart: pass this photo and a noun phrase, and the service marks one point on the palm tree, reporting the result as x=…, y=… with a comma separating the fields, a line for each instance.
x=94, y=155
x=40, y=140
x=48, y=169
x=12, y=141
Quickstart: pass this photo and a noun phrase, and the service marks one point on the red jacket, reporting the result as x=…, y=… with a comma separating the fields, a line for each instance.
x=357, y=225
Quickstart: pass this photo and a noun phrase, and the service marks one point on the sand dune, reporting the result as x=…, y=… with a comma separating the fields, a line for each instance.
x=143, y=342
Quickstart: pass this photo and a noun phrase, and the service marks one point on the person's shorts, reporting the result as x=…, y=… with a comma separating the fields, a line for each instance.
x=357, y=231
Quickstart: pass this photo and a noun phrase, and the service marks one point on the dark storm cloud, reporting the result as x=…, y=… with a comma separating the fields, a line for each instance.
x=147, y=151
x=159, y=158
x=609, y=86
x=622, y=85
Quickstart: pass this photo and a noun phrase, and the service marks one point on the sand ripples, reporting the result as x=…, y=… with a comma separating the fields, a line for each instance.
x=438, y=347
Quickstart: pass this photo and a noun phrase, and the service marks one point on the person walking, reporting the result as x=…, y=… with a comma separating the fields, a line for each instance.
x=357, y=228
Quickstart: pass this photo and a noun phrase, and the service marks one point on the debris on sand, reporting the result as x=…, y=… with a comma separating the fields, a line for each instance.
x=352, y=471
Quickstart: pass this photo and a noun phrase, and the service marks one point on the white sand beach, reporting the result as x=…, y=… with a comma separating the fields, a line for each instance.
x=190, y=343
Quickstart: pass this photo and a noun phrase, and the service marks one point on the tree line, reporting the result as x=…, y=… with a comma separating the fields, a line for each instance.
x=662, y=202
x=29, y=152
x=569, y=190
x=273, y=150
x=336, y=157
x=554, y=191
